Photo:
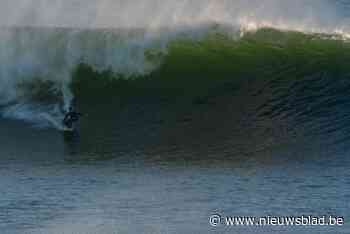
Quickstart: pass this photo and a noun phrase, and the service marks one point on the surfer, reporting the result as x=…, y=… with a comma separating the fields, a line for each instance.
x=71, y=117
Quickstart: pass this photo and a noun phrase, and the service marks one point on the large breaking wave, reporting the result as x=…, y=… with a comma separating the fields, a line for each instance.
x=178, y=44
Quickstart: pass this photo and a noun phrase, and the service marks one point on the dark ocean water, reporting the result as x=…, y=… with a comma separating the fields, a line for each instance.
x=224, y=122
x=167, y=169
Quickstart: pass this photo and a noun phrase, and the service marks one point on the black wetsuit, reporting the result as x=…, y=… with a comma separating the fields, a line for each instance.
x=70, y=118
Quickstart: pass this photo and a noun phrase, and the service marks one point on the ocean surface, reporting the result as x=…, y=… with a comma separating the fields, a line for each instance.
x=192, y=109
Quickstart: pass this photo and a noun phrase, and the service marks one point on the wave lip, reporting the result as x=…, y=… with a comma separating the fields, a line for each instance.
x=150, y=14
x=36, y=56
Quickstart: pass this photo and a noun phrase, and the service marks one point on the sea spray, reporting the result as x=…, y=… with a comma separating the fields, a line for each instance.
x=44, y=41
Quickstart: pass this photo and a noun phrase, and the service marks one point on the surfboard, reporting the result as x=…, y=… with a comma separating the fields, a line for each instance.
x=69, y=129
x=65, y=129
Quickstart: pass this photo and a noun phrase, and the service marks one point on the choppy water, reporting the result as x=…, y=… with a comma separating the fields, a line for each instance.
x=241, y=110
x=142, y=166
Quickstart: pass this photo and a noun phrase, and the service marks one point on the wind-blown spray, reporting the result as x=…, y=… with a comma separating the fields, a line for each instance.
x=46, y=40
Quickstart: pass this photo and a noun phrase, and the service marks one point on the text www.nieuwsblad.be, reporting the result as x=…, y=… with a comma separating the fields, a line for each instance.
x=218, y=220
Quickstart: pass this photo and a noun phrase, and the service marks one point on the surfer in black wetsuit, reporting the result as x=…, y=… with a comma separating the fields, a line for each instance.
x=71, y=117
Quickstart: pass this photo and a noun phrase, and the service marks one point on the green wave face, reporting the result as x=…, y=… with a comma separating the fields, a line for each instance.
x=256, y=54
x=195, y=66
x=279, y=73
x=264, y=88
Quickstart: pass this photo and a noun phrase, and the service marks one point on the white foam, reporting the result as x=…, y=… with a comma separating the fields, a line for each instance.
x=43, y=116
x=160, y=13
x=122, y=34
